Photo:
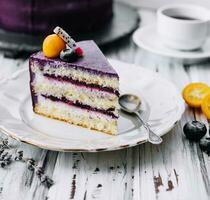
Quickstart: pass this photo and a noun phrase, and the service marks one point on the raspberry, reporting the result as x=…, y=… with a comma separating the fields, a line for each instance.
x=79, y=52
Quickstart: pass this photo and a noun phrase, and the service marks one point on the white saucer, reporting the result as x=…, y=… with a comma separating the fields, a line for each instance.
x=147, y=38
x=161, y=111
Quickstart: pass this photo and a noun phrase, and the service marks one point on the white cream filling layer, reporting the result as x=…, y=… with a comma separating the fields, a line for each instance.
x=79, y=75
x=74, y=115
x=93, y=98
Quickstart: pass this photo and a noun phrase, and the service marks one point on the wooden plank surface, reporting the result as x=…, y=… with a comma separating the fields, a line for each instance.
x=175, y=170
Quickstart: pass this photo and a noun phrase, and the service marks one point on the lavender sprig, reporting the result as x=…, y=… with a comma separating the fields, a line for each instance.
x=39, y=171
x=7, y=157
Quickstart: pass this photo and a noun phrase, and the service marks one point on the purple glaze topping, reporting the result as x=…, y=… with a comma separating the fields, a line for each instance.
x=81, y=83
x=93, y=60
x=80, y=105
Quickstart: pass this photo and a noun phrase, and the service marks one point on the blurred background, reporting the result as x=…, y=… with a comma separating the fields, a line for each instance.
x=157, y=3
x=25, y=24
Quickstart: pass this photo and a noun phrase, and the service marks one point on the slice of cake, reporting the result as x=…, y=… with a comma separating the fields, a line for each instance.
x=83, y=91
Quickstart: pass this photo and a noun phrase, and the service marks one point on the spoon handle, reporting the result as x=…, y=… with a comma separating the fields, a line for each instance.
x=152, y=137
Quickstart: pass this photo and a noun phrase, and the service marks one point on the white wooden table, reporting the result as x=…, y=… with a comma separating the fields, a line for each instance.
x=175, y=170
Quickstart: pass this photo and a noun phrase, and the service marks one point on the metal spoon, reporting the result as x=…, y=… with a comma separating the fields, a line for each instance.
x=131, y=104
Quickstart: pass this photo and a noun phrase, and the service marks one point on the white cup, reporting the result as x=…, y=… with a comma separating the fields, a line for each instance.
x=183, y=26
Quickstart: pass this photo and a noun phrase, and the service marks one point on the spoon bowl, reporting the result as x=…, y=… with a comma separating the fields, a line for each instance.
x=131, y=104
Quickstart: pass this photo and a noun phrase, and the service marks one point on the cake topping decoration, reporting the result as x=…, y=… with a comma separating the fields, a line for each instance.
x=61, y=43
x=73, y=51
x=79, y=51
x=68, y=55
x=65, y=36
x=53, y=45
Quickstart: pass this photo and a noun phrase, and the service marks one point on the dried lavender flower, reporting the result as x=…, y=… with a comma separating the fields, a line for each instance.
x=39, y=171
x=30, y=164
x=8, y=162
x=5, y=142
x=19, y=155
x=8, y=157
x=3, y=155
x=1, y=151
x=48, y=182
x=3, y=164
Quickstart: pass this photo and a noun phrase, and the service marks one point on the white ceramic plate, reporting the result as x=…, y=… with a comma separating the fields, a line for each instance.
x=162, y=106
x=147, y=38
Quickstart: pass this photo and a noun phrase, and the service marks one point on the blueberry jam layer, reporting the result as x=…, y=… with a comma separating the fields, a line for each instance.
x=81, y=83
x=80, y=105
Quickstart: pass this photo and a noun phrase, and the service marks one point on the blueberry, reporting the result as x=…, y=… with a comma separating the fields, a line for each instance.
x=194, y=130
x=68, y=55
x=205, y=145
